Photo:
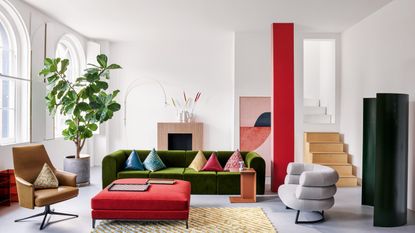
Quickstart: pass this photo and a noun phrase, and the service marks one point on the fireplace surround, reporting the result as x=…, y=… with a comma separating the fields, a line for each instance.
x=179, y=136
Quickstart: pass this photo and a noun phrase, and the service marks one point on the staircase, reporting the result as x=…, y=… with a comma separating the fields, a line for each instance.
x=314, y=113
x=329, y=150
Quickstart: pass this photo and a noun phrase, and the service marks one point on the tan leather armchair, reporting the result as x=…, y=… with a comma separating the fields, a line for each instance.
x=28, y=162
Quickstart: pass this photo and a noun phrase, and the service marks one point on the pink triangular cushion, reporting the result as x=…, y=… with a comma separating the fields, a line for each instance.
x=233, y=161
x=212, y=164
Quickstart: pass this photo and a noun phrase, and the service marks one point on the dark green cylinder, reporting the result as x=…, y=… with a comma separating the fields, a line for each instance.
x=369, y=151
x=391, y=160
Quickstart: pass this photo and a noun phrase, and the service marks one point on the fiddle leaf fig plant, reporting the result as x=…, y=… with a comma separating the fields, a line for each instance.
x=85, y=101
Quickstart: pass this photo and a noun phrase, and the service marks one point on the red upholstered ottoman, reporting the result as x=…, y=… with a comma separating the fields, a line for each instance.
x=159, y=202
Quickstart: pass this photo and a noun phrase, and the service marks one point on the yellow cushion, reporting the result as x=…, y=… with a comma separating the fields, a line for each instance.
x=198, y=162
x=46, y=179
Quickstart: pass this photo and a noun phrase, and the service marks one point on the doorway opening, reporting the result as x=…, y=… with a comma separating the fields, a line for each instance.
x=319, y=81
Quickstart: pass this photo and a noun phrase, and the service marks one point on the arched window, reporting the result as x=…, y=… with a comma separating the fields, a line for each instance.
x=14, y=77
x=69, y=47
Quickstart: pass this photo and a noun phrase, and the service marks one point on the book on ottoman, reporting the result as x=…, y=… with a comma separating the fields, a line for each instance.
x=129, y=187
x=136, y=181
x=161, y=181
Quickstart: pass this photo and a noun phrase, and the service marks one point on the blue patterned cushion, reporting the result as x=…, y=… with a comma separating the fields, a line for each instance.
x=133, y=162
x=153, y=162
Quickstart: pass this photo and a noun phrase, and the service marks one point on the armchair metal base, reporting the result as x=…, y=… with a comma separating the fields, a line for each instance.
x=47, y=211
x=309, y=222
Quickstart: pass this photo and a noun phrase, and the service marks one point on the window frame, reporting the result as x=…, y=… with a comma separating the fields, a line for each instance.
x=74, y=47
x=14, y=28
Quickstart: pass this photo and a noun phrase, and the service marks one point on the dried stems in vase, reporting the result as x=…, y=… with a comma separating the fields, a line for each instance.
x=189, y=103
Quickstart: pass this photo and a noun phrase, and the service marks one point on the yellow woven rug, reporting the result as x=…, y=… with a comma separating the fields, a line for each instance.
x=201, y=220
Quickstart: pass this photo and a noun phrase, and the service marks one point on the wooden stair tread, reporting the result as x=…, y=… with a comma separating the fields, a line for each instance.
x=347, y=176
x=322, y=132
x=336, y=164
x=328, y=152
x=323, y=141
x=320, y=142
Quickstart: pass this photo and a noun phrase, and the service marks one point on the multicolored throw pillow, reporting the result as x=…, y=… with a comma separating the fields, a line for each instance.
x=233, y=162
x=153, y=162
x=133, y=162
x=46, y=179
x=212, y=164
x=198, y=162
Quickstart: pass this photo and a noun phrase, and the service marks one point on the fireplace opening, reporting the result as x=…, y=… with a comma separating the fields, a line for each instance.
x=179, y=141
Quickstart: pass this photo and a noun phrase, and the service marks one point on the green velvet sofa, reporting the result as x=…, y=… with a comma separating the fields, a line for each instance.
x=177, y=162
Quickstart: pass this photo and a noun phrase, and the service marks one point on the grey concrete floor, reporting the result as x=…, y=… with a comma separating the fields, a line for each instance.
x=346, y=216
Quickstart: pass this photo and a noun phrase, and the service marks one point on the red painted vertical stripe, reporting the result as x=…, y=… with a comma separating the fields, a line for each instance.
x=283, y=101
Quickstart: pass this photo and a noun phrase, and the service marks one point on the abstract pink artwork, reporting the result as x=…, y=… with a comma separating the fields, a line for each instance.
x=255, y=127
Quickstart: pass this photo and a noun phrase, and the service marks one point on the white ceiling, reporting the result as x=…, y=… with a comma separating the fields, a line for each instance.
x=126, y=20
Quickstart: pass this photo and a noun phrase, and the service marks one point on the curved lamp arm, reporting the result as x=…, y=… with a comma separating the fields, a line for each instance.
x=137, y=83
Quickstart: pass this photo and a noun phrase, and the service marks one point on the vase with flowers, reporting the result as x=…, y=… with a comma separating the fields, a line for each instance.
x=185, y=109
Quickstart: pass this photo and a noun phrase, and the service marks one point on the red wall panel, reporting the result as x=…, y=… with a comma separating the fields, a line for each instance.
x=283, y=101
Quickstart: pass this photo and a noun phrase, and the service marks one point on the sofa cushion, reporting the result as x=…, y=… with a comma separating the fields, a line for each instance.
x=298, y=168
x=133, y=174
x=133, y=162
x=46, y=178
x=168, y=173
x=173, y=158
x=315, y=193
x=153, y=162
x=212, y=164
x=228, y=182
x=233, y=162
x=286, y=193
x=190, y=156
x=198, y=162
x=223, y=156
x=203, y=182
x=142, y=154
x=326, y=177
x=292, y=179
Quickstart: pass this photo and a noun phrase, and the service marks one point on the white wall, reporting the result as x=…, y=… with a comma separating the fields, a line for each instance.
x=253, y=72
x=191, y=63
x=328, y=76
x=312, y=69
x=35, y=24
x=378, y=56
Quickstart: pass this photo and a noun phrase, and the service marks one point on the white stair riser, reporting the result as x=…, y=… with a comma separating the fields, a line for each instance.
x=314, y=110
x=311, y=102
x=317, y=119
